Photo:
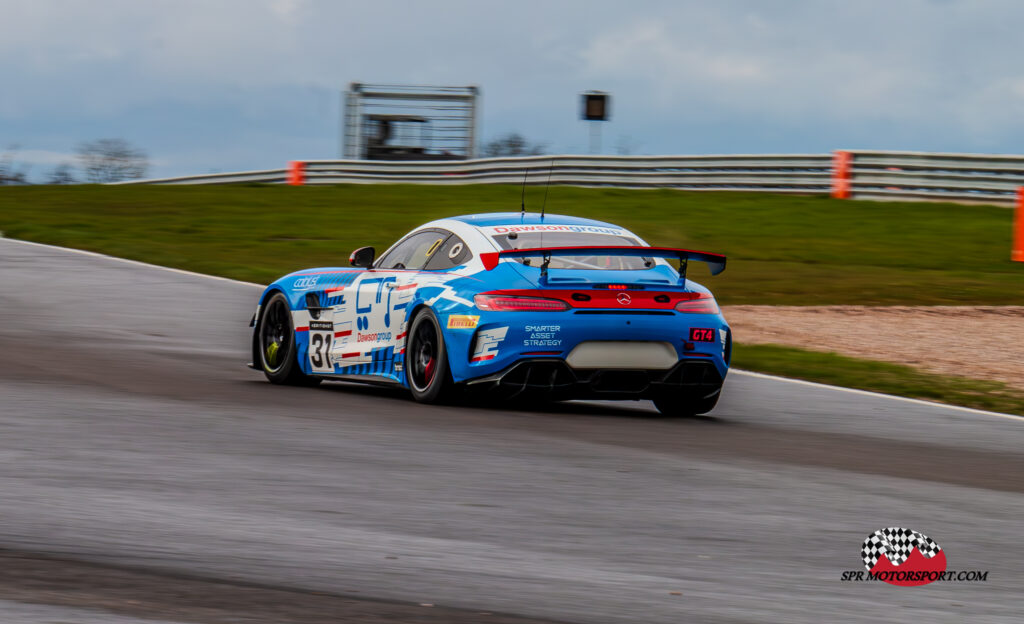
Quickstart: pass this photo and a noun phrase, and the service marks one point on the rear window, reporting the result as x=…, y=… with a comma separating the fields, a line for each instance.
x=525, y=240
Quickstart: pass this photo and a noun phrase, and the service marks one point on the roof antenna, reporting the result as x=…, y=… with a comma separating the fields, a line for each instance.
x=546, y=187
x=522, y=209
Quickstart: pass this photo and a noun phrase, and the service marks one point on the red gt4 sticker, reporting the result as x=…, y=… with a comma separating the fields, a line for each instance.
x=699, y=334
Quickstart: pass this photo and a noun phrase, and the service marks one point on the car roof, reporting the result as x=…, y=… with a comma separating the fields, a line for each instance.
x=529, y=218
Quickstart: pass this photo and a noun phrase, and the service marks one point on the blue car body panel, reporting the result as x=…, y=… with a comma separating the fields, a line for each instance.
x=353, y=323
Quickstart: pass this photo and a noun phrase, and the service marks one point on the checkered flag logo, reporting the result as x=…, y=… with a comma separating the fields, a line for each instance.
x=896, y=544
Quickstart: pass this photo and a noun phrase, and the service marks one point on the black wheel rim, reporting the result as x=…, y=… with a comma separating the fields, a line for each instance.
x=423, y=351
x=275, y=332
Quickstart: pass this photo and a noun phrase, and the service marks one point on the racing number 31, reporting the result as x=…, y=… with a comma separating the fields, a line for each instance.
x=321, y=333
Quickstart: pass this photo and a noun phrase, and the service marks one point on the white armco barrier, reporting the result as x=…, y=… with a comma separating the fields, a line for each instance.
x=801, y=173
x=926, y=175
x=844, y=173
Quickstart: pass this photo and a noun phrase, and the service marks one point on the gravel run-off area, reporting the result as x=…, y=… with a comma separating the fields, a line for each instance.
x=981, y=342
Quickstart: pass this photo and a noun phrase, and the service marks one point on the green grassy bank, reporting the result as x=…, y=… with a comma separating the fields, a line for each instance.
x=782, y=250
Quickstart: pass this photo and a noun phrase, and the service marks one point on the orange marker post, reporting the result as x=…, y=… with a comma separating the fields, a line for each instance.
x=1017, y=255
x=841, y=165
x=296, y=173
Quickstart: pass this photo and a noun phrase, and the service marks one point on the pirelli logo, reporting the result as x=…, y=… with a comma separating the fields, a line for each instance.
x=462, y=321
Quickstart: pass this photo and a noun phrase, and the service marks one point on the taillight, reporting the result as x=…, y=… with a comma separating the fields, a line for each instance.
x=509, y=303
x=702, y=304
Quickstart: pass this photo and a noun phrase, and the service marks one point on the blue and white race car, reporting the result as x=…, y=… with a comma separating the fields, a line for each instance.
x=512, y=304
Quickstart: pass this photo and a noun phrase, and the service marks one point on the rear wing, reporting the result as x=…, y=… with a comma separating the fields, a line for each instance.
x=715, y=262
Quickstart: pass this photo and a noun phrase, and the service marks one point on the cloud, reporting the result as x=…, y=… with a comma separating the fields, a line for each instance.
x=253, y=83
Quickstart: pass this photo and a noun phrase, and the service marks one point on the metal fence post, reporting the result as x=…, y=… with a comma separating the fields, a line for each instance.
x=841, y=161
x=1018, y=228
x=296, y=173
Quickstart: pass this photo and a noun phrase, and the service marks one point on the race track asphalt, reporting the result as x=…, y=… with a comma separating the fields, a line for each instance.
x=133, y=439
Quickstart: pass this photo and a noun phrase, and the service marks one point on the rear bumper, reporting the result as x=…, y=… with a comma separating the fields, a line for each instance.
x=502, y=340
x=553, y=379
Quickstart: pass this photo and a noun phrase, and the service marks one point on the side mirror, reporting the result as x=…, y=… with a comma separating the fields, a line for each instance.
x=362, y=257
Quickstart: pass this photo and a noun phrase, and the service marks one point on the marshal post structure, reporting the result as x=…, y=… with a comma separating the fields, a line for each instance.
x=409, y=122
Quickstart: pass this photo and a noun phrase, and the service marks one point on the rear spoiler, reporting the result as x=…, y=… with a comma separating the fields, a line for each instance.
x=715, y=262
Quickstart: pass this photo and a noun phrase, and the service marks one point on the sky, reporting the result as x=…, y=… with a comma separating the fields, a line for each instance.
x=232, y=85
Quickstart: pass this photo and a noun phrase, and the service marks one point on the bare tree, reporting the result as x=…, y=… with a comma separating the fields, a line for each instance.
x=512, y=144
x=61, y=174
x=111, y=160
x=10, y=172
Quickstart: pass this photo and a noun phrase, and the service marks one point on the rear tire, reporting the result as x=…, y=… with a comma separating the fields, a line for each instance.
x=683, y=406
x=426, y=359
x=275, y=345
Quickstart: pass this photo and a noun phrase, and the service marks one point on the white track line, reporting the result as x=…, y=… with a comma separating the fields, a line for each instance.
x=733, y=371
x=876, y=394
x=127, y=261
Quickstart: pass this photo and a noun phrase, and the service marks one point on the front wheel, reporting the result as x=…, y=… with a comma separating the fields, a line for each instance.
x=426, y=360
x=275, y=341
x=675, y=405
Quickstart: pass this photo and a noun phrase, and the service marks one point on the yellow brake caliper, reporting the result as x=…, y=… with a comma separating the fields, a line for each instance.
x=272, y=350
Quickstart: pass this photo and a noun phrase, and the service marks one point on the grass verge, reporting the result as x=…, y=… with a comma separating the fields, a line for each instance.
x=782, y=249
x=884, y=377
